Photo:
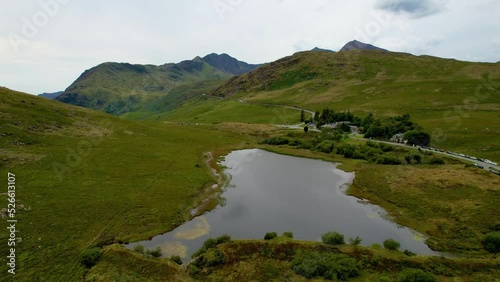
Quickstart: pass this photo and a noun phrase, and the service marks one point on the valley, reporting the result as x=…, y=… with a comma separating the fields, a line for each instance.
x=127, y=152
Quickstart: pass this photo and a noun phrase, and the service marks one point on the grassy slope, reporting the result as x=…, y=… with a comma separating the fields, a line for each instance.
x=121, y=88
x=258, y=260
x=130, y=181
x=442, y=95
x=208, y=110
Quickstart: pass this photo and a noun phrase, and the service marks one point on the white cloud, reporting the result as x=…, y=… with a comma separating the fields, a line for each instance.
x=86, y=33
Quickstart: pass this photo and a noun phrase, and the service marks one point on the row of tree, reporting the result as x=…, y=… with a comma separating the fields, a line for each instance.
x=377, y=128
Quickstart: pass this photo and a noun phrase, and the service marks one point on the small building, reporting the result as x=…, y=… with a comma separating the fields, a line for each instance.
x=399, y=138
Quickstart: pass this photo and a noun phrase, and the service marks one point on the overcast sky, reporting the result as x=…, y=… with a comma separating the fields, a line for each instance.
x=46, y=44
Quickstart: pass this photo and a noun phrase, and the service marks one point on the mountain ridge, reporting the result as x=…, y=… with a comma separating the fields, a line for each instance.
x=357, y=45
x=118, y=88
x=52, y=95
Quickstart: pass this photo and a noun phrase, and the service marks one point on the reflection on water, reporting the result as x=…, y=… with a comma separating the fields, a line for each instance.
x=271, y=192
x=198, y=228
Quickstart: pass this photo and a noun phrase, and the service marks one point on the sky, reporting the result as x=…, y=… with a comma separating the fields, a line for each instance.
x=46, y=44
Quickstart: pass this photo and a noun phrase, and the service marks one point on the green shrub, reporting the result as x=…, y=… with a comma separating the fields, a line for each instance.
x=213, y=258
x=139, y=249
x=331, y=266
x=415, y=275
x=492, y=242
x=391, y=244
x=436, y=161
x=211, y=243
x=413, y=158
x=376, y=246
x=409, y=253
x=333, y=238
x=277, y=141
x=91, y=257
x=288, y=235
x=270, y=235
x=325, y=146
x=389, y=159
x=222, y=239
x=355, y=241
x=176, y=259
x=295, y=142
x=156, y=253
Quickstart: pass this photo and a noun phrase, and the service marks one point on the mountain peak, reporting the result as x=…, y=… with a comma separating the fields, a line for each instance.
x=228, y=64
x=357, y=45
x=317, y=49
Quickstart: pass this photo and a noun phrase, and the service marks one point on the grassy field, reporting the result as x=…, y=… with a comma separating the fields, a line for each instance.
x=454, y=205
x=86, y=178
x=208, y=110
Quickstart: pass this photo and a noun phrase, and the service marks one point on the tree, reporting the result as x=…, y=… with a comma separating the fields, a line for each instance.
x=91, y=256
x=270, y=235
x=391, y=244
x=333, y=238
x=302, y=116
x=418, y=138
x=355, y=241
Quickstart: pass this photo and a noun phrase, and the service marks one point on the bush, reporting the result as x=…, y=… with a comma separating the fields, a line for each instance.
x=391, y=244
x=355, y=241
x=415, y=275
x=213, y=258
x=176, y=259
x=492, y=242
x=288, y=235
x=270, y=235
x=156, y=253
x=211, y=243
x=331, y=266
x=325, y=146
x=409, y=253
x=389, y=159
x=277, y=141
x=91, y=257
x=333, y=238
x=413, y=158
x=139, y=249
x=436, y=161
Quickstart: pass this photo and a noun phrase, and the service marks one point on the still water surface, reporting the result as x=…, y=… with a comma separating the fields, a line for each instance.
x=272, y=192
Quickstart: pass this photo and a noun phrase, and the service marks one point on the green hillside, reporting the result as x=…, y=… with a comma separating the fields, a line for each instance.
x=458, y=102
x=85, y=178
x=118, y=88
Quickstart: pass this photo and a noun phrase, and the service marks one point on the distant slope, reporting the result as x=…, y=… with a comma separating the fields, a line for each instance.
x=356, y=45
x=228, y=64
x=459, y=102
x=317, y=49
x=120, y=88
x=51, y=95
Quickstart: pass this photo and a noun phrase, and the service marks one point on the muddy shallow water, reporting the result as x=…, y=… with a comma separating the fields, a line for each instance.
x=272, y=192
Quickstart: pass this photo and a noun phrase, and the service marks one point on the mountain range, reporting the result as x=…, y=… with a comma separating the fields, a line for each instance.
x=119, y=88
x=51, y=95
